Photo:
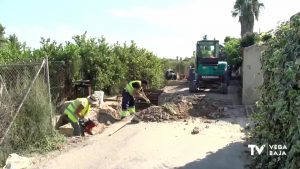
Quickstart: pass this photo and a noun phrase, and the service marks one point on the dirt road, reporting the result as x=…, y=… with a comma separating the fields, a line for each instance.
x=219, y=143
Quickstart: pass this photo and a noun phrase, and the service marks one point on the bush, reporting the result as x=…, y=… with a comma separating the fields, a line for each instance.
x=265, y=37
x=32, y=129
x=249, y=39
x=232, y=51
x=277, y=119
x=109, y=67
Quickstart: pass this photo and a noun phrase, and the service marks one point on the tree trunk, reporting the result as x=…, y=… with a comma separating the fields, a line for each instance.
x=247, y=25
x=243, y=27
x=250, y=24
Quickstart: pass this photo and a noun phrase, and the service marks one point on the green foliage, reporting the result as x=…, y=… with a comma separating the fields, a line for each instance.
x=109, y=67
x=265, y=37
x=11, y=50
x=227, y=39
x=249, y=39
x=278, y=119
x=32, y=130
x=180, y=66
x=232, y=50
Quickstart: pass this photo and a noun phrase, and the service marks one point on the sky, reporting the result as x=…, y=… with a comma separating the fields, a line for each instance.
x=168, y=28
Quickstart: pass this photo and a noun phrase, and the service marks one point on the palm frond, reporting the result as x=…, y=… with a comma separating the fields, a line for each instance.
x=234, y=13
x=247, y=9
x=238, y=4
x=261, y=5
x=256, y=8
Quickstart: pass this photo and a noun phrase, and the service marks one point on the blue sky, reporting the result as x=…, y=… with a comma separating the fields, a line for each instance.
x=168, y=28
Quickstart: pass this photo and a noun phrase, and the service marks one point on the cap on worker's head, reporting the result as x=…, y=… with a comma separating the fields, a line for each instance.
x=93, y=99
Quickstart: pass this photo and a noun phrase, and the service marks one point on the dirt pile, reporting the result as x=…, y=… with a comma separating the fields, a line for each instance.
x=109, y=110
x=182, y=107
x=158, y=113
x=208, y=108
x=105, y=114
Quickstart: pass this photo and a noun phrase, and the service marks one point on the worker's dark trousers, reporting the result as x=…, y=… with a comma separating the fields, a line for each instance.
x=78, y=130
x=127, y=104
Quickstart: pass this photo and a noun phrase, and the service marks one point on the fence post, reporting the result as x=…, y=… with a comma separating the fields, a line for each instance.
x=49, y=92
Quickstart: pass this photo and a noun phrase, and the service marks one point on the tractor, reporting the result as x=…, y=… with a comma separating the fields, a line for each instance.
x=211, y=68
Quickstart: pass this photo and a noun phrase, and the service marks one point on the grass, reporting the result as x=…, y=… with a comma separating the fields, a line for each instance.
x=32, y=130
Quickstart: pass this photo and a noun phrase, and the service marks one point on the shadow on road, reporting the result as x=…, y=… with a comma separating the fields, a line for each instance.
x=229, y=157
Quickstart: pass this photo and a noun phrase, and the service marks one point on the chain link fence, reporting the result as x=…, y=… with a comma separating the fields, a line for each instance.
x=24, y=88
x=30, y=94
x=60, y=74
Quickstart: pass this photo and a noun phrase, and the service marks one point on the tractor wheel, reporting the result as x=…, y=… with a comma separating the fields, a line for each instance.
x=224, y=88
x=193, y=87
x=191, y=74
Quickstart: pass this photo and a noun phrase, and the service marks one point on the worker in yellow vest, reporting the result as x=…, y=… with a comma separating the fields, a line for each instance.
x=77, y=110
x=132, y=90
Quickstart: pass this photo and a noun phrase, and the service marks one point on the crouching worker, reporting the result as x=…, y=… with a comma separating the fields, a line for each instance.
x=76, y=112
x=132, y=90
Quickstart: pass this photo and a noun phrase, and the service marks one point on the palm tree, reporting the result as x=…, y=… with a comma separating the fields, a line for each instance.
x=247, y=10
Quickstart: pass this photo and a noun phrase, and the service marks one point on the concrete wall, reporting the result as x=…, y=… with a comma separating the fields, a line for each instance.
x=252, y=75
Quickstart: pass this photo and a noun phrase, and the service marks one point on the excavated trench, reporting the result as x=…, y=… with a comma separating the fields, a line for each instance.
x=109, y=112
x=153, y=96
x=181, y=107
x=164, y=107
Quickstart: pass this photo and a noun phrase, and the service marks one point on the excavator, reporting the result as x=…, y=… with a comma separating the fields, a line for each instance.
x=210, y=69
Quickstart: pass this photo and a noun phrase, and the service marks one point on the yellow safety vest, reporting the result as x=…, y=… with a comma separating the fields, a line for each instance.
x=70, y=110
x=129, y=88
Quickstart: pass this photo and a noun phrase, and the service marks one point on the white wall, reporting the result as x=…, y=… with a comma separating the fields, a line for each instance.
x=252, y=75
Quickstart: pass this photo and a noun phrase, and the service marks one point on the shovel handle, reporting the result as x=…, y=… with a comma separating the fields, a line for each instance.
x=122, y=126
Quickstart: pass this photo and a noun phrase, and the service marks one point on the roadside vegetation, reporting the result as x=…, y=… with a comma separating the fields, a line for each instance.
x=32, y=130
x=111, y=66
x=108, y=66
x=277, y=120
x=94, y=59
x=179, y=65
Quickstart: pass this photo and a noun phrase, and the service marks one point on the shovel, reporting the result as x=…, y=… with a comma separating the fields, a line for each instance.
x=129, y=121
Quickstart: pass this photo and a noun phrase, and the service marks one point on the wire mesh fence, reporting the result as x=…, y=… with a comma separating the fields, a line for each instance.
x=24, y=92
x=30, y=94
x=60, y=74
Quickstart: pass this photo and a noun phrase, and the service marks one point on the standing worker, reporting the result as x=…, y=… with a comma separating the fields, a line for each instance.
x=132, y=90
x=77, y=110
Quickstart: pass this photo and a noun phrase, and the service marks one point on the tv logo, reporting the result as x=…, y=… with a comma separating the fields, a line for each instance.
x=271, y=150
x=258, y=149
